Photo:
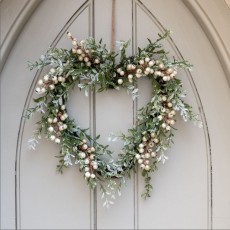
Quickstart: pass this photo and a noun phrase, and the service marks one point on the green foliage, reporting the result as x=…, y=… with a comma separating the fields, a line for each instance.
x=91, y=66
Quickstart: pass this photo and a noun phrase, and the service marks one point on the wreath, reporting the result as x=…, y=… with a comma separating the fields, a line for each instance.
x=93, y=67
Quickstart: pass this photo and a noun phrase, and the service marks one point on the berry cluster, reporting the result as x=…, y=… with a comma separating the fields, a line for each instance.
x=145, y=67
x=87, y=156
x=49, y=81
x=146, y=150
x=167, y=114
x=84, y=55
x=57, y=124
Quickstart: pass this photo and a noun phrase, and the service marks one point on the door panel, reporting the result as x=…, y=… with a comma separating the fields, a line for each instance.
x=174, y=181
x=184, y=193
x=114, y=112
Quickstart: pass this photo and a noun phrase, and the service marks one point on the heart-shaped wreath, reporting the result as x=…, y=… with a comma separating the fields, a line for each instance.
x=93, y=67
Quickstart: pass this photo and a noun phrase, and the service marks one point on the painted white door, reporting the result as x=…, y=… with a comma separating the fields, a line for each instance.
x=188, y=191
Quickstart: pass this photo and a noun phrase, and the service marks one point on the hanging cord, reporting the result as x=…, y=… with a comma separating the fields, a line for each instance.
x=112, y=45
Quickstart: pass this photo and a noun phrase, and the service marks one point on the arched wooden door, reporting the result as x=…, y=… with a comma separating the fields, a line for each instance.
x=184, y=191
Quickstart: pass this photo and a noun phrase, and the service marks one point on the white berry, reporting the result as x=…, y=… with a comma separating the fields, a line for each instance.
x=55, y=120
x=140, y=161
x=151, y=63
x=52, y=137
x=168, y=128
x=141, y=62
x=161, y=66
x=141, y=145
x=51, y=87
x=86, y=169
x=147, y=69
x=138, y=156
x=151, y=144
x=129, y=67
x=141, y=150
x=79, y=51
x=82, y=155
x=163, y=125
x=153, y=154
x=160, y=117
x=147, y=59
x=87, y=174
x=147, y=167
x=142, y=166
x=57, y=140
x=169, y=71
x=149, y=150
x=60, y=78
x=50, y=120
x=165, y=78
x=46, y=77
x=92, y=156
x=120, y=81
x=133, y=67
x=119, y=70
x=43, y=90
x=84, y=146
x=40, y=82
x=74, y=42
x=173, y=112
x=92, y=149
x=156, y=140
x=86, y=161
x=143, y=156
x=38, y=90
x=84, y=141
x=50, y=129
x=54, y=78
x=172, y=122
x=147, y=155
x=52, y=70
x=130, y=76
x=169, y=104
x=93, y=176
x=62, y=118
x=86, y=59
x=164, y=98
x=122, y=73
x=95, y=166
x=96, y=61
x=69, y=35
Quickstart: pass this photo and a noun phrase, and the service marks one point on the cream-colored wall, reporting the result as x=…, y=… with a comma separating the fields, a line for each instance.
x=213, y=16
